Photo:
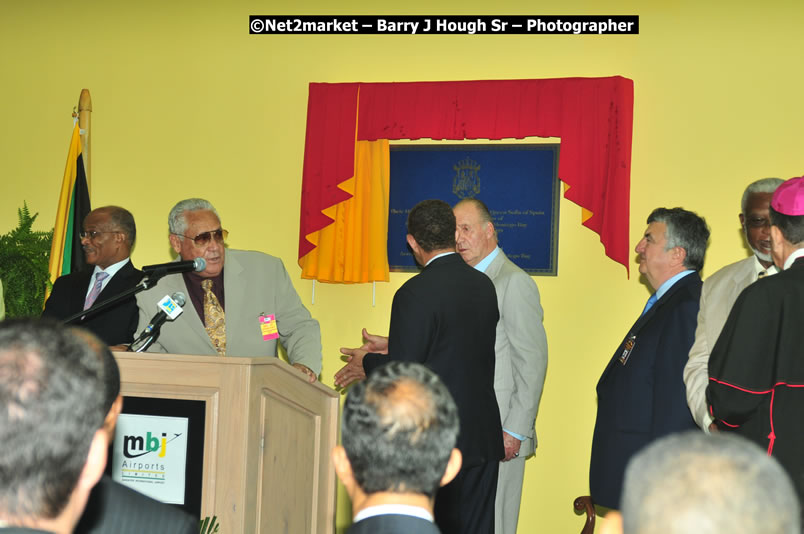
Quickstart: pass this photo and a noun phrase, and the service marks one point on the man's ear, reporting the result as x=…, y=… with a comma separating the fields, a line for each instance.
x=343, y=468
x=414, y=246
x=742, y=220
x=111, y=418
x=776, y=238
x=96, y=461
x=489, y=229
x=612, y=523
x=679, y=255
x=453, y=467
x=175, y=242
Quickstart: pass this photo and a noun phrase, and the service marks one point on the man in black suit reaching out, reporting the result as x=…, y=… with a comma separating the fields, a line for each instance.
x=446, y=318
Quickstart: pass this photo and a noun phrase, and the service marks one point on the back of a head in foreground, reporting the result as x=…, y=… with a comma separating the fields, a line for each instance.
x=696, y=483
x=399, y=427
x=51, y=405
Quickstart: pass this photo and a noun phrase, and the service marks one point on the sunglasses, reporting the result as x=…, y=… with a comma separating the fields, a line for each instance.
x=204, y=237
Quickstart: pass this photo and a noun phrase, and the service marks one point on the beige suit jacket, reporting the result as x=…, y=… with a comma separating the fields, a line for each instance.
x=254, y=283
x=520, y=349
x=718, y=295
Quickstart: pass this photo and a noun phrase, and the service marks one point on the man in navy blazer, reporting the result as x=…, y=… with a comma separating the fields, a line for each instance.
x=398, y=434
x=107, y=237
x=641, y=395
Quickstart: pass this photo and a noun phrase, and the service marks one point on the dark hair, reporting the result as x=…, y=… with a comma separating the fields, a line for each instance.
x=52, y=404
x=122, y=219
x=399, y=428
x=791, y=226
x=432, y=225
x=111, y=371
x=685, y=229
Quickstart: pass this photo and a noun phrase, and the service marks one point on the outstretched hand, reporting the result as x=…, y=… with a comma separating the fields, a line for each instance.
x=353, y=370
x=374, y=343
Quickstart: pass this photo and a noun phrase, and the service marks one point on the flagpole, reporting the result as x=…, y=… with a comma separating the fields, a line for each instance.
x=85, y=123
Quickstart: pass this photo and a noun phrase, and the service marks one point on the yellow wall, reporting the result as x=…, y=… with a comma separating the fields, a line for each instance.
x=187, y=103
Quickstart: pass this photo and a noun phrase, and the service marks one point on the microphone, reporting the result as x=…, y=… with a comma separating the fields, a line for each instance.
x=170, y=307
x=174, y=267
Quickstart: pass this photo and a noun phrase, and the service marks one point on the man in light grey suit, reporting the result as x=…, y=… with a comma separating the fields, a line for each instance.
x=520, y=350
x=721, y=290
x=241, y=310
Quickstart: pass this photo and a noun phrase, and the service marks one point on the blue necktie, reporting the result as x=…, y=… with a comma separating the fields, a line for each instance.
x=651, y=301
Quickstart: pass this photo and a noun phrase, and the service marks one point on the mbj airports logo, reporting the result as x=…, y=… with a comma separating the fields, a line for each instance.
x=136, y=446
x=144, y=456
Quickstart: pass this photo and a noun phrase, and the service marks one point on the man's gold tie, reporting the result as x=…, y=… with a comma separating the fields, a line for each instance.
x=214, y=320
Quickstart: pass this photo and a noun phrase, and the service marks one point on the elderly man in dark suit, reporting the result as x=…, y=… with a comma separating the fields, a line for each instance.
x=446, y=318
x=641, y=395
x=399, y=430
x=107, y=237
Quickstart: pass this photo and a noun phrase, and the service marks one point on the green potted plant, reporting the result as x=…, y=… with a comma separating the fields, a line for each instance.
x=24, y=256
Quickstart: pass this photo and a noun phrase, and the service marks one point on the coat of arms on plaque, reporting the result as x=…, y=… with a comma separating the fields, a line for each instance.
x=466, y=183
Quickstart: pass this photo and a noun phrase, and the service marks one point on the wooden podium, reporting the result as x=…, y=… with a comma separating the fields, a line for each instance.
x=267, y=439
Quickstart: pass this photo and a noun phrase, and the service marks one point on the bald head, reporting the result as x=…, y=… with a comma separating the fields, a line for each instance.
x=398, y=429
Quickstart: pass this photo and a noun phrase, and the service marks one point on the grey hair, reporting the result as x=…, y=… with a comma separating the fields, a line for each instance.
x=707, y=484
x=482, y=210
x=685, y=229
x=177, y=223
x=765, y=185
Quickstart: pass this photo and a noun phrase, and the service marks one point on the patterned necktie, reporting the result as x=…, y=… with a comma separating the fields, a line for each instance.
x=96, y=289
x=214, y=320
x=648, y=305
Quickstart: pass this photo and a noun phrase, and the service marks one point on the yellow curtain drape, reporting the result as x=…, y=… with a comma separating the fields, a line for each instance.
x=354, y=248
x=585, y=213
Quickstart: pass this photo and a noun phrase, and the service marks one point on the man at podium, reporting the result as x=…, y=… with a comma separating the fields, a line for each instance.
x=239, y=310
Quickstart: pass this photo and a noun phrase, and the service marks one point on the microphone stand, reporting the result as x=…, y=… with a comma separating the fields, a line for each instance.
x=148, y=281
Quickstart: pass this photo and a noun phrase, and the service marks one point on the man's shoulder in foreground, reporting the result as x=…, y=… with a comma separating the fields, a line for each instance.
x=113, y=507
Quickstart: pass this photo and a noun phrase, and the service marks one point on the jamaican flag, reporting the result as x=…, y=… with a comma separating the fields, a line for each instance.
x=66, y=255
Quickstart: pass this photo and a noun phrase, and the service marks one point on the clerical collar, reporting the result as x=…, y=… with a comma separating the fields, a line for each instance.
x=485, y=262
x=796, y=254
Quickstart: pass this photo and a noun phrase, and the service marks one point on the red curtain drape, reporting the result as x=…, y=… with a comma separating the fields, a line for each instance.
x=592, y=116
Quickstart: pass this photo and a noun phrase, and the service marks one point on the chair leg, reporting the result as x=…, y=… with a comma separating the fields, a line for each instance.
x=585, y=504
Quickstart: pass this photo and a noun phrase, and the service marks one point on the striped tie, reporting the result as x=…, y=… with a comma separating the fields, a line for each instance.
x=96, y=289
x=214, y=320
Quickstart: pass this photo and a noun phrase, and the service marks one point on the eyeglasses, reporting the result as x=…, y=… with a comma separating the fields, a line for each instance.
x=92, y=234
x=204, y=237
x=757, y=222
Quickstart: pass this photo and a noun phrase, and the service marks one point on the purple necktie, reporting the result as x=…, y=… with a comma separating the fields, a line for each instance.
x=96, y=289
